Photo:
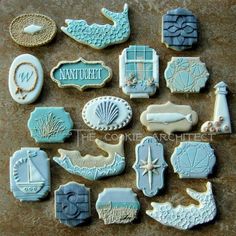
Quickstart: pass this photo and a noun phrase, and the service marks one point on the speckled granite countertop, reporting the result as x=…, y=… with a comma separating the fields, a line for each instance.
x=217, y=48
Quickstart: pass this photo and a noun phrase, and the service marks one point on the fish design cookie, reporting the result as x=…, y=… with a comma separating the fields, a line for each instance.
x=32, y=30
x=169, y=118
x=100, y=36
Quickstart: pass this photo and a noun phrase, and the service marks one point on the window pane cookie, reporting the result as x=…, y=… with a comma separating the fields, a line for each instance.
x=30, y=174
x=179, y=29
x=185, y=217
x=72, y=204
x=117, y=205
x=186, y=75
x=31, y=30
x=107, y=113
x=25, y=79
x=50, y=124
x=100, y=36
x=94, y=167
x=139, y=71
x=169, y=118
x=81, y=74
x=149, y=166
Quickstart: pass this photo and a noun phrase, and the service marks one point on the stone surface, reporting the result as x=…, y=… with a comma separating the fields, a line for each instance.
x=217, y=48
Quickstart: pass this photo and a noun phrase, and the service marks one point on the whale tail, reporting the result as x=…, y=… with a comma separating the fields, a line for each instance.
x=189, y=118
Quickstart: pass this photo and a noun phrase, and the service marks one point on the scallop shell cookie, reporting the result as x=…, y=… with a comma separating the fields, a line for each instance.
x=107, y=113
x=32, y=30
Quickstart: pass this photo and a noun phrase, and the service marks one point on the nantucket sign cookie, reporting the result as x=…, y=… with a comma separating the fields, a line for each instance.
x=107, y=113
x=25, y=79
x=30, y=174
x=139, y=71
x=31, y=30
x=100, y=36
x=81, y=74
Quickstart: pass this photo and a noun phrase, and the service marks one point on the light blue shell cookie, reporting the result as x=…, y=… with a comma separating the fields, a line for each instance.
x=193, y=160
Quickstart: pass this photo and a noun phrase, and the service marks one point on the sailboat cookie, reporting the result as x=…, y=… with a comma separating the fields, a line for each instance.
x=29, y=174
x=100, y=36
x=94, y=167
x=169, y=118
x=149, y=166
x=221, y=122
x=186, y=217
x=72, y=204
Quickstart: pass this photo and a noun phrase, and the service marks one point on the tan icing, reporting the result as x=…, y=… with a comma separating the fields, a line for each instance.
x=117, y=215
x=95, y=161
x=181, y=125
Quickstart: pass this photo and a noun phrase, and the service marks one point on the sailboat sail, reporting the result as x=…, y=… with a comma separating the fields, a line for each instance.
x=34, y=175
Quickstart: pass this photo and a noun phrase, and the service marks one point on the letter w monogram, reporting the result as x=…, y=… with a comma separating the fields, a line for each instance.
x=25, y=76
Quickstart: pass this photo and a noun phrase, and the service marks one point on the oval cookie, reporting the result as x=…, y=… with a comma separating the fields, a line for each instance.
x=107, y=113
x=25, y=79
x=31, y=30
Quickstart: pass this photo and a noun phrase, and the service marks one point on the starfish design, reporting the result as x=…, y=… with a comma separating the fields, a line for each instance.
x=150, y=167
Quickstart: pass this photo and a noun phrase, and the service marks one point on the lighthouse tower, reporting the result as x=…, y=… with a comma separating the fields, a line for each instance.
x=221, y=121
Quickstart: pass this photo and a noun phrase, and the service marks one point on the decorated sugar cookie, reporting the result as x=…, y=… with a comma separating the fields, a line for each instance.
x=100, y=36
x=186, y=75
x=117, y=205
x=179, y=29
x=193, y=160
x=31, y=30
x=169, y=118
x=72, y=204
x=81, y=74
x=149, y=166
x=185, y=217
x=25, y=79
x=50, y=124
x=139, y=71
x=107, y=113
x=94, y=167
x=30, y=174
x=221, y=121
